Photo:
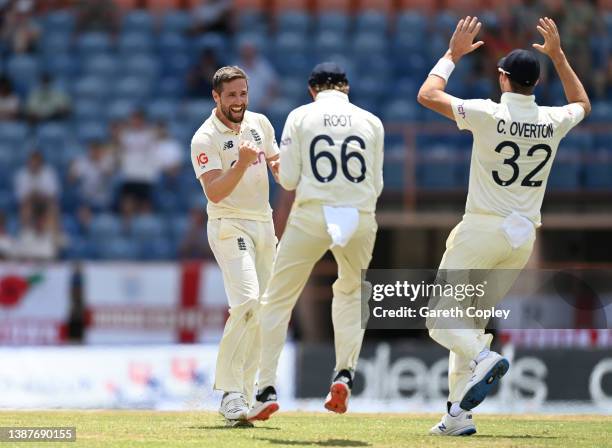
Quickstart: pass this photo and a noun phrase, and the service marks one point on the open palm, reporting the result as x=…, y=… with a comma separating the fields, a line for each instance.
x=462, y=41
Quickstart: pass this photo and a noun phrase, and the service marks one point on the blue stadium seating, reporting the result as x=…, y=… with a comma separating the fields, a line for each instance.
x=172, y=43
x=104, y=227
x=117, y=248
x=400, y=110
x=88, y=132
x=58, y=42
x=293, y=22
x=13, y=133
x=120, y=109
x=335, y=22
x=254, y=21
x=145, y=65
x=162, y=110
x=411, y=22
x=139, y=21
x=95, y=88
x=375, y=22
x=23, y=71
x=58, y=21
x=133, y=42
x=93, y=43
x=176, y=21
x=436, y=169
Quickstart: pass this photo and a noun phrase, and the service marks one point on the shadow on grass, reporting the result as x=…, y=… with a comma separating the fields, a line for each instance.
x=328, y=442
x=525, y=437
x=229, y=428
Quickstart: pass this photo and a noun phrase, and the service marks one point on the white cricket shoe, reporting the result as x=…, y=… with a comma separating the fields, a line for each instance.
x=234, y=409
x=486, y=374
x=462, y=425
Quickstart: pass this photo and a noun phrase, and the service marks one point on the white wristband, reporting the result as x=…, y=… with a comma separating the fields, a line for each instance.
x=443, y=69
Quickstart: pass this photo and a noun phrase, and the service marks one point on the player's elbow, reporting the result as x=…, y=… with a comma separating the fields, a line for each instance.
x=425, y=97
x=586, y=105
x=215, y=199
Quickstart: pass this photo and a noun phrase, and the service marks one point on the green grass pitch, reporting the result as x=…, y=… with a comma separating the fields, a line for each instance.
x=300, y=429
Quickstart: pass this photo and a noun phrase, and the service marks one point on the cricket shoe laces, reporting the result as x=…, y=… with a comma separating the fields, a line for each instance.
x=234, y=406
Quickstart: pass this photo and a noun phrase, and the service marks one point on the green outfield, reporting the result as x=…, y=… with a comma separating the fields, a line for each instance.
x=296, y=429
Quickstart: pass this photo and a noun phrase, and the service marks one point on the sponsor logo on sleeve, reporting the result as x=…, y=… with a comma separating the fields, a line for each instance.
x=202, y=160
x=461, y=110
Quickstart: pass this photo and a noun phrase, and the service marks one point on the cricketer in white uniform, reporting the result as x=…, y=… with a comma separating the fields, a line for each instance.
x=332, y=155
x=515, y=143
x=229, y=154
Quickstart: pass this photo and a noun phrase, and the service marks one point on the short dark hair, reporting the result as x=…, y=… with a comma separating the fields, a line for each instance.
x=520, y=88
x=227, y=74
x=339, y=86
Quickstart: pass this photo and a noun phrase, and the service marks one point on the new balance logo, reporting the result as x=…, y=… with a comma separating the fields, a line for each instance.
x=442, y=427
x=241, y=244
x=228, y=145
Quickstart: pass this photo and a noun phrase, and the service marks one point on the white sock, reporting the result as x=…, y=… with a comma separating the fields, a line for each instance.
x=482, y=355
x=455, y=410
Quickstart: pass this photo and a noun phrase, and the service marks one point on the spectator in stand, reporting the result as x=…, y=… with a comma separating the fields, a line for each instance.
x=168, y=152
x=9, y=102
x=92, y=175
x=47, y=102
x=603, y=82
x=199, y=78
x=19, y=30
x=263, y=80
x=40, y=236
x=7, y=242
x=194, y=244
x=579, y=25
x=36, y=182
x=98, y=15
x=212, y=16
x=138, y=161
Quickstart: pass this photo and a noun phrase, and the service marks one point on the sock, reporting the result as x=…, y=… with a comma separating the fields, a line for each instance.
x=482, y=355
x=455, y=410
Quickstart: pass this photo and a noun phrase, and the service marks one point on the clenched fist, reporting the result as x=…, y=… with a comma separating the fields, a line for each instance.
x=247, y=153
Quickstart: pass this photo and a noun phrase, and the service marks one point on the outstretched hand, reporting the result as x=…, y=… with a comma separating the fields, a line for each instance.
x=552, y=41
x=462, y=41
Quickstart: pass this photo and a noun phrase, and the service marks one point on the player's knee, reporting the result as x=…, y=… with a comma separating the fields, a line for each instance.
x=249, y=310
x=347, y=289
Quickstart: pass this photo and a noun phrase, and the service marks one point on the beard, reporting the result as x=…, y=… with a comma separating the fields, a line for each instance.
x=234, y=117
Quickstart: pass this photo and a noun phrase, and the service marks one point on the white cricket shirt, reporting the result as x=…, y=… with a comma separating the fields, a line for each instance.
x=515, y=143
x=214, y=146
x=332, y=153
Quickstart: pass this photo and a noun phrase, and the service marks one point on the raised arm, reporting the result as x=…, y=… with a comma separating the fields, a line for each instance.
x=573, y=88
x=432, y=94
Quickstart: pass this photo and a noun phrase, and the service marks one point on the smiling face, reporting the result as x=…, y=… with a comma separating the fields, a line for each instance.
x=233, y=99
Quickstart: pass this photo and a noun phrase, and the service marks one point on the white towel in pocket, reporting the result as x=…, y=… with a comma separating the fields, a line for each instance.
x=342, y=223
x=518, y=229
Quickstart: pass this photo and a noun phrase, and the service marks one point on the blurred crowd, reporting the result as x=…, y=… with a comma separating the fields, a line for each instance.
x=87, y=177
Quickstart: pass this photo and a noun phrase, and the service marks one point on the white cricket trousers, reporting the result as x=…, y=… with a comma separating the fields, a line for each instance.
x=304, y=242
x=244, y=250
x=477, y=242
